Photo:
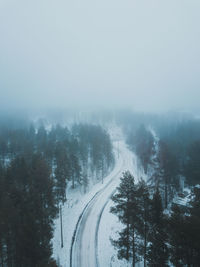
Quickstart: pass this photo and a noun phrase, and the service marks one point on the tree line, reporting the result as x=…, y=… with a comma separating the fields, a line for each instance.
x=27, y=210
x=177, y=156
x=182, y=140
x=141, y=142
x=149, y=233
x=36, y=167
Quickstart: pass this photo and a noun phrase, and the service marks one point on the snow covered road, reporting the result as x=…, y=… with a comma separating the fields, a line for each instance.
x=84, y=249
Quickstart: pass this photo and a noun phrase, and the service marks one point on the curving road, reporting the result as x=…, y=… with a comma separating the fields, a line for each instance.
x=84, y=252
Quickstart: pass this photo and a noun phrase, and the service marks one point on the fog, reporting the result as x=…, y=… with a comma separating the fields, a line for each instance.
x=143, y=55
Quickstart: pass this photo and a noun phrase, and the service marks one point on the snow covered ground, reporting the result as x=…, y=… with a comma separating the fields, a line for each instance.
x=125, y=160
x=110, y=226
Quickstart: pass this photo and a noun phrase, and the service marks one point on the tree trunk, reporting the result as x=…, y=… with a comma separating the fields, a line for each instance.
x=1, y=255
x=127, y=240
x=73, y=182
x=166, y=195
x=61, y=227
x=133, y=248
x=145, y=243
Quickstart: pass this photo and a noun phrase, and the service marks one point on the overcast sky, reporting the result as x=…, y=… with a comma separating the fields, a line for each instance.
x=135, y=53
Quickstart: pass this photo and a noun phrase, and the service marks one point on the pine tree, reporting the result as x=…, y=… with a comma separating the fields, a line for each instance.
x=157, y=252
x=85, y=182
x=177, y=237
x=192, y=166
x=142, y=144
x=168, y=168
x=193, y=225
x=62, y=172
x=42, y=205
x=75, y=171
x=60, y=183
x=143, y=224
x=126, y=208
x=184, y=233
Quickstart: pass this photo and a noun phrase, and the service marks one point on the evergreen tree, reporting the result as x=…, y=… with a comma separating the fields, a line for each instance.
x=27, y=209
x=41, y=139
x=36, y=166
x=184, y=234
x=193, y=226
x=85, y=182
x=142, y=145
x=75, y=171
x=157, y=252
x=179, y=249
x=60, y=183
x=168, y=167
x=62, y=172
x=43, y=207
x=192, y=166
x=126, y=208
x=143, y=215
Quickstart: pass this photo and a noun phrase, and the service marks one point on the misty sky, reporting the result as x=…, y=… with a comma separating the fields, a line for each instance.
x=135, y=53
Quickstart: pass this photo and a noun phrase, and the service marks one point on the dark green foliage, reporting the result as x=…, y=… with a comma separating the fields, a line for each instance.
x=143, y=217
x=182, y=141
x=27, y=208
x=62, y=171
x=85, y=182
x=157, y=250
x=126, y=208
x=75, y=171
x=177, y=238
x=184, y=233
x=95, y=146
x=169, y=170
x=192, y=166
x=180, y=134
x=35, y=168
x=132, y=206
x=141, y=142
x=86, y=149
x=144, y=232
x=193, y=222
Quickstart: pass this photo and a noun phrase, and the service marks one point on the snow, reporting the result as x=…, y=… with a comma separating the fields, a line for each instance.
x=71, y=211
x=108, y=223
x=184, y=198
x=109, y=230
